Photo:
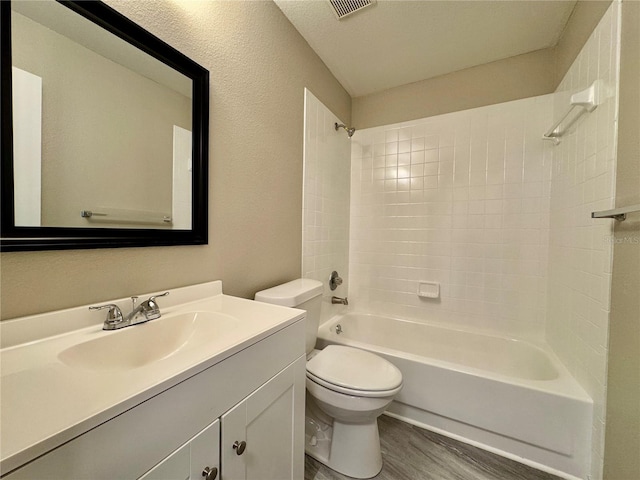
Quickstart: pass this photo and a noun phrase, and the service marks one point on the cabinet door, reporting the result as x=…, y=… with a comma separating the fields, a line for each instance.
x=190, y=460
x=174, y=467
x=271, y=423
x=205, y=453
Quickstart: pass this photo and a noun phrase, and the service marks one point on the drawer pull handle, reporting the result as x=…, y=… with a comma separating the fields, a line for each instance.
x=239, y=447
x=210, y=473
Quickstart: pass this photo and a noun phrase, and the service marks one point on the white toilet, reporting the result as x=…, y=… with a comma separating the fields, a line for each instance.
x=347, y=390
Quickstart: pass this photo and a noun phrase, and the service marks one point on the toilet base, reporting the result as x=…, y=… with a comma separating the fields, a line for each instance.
x=350, y=449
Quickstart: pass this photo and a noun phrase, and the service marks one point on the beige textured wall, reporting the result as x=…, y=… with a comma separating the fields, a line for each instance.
x=107, y=131
x=523, y=76
x=528, y=75
x=584, y=18
x=622, y=440
x=259, y=65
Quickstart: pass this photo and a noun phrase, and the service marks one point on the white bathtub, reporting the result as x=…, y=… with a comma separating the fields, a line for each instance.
x=506, y=395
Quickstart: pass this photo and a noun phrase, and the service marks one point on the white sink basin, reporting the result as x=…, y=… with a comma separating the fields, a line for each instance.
x=142, y=344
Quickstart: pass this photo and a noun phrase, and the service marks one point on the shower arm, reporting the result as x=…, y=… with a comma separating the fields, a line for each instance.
x=350, y=130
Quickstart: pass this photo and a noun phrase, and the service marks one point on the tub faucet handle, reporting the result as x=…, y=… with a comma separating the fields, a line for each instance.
x=334, y=280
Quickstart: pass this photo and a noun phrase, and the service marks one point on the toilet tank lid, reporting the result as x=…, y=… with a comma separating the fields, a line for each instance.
x=291, y=294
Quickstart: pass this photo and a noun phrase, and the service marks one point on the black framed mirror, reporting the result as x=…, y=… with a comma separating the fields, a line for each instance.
x=104, y=132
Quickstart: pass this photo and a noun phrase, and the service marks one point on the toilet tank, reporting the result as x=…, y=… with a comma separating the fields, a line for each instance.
x=303, y=293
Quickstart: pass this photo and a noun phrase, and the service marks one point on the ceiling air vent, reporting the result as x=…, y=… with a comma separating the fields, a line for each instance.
x=344, y=8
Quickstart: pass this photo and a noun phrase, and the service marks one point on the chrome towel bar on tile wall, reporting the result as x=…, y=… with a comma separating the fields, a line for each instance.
x=619, y=214
x=586, y=101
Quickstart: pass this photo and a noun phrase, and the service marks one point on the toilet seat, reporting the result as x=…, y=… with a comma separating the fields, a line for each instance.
x=354, y=372
x=352, y=392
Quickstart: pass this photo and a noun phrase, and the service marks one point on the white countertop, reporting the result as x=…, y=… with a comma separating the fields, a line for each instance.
x=45, y=402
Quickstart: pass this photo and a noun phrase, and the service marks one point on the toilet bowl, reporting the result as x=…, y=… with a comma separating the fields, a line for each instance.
x=347, y=390
x=352, y=387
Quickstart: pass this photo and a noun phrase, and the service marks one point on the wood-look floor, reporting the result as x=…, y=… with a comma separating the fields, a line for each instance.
x=411, y=453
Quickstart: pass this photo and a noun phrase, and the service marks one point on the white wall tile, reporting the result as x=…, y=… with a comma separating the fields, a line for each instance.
x=472, y=220
x=579, y=280
x=326, y=195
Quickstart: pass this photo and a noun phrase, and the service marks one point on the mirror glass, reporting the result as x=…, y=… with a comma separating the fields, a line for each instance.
x=101, y=130
x=108, y=131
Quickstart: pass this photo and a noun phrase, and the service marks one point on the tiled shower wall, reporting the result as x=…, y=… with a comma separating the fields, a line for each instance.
x=580, y=253
x=325, y=211
x=476, y=201
x=461, y=199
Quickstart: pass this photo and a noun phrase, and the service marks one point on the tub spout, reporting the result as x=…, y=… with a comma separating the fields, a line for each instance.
x=338, y=300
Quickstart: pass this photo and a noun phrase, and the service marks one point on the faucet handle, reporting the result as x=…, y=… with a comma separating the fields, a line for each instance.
x=114, y=315
x=334, y=280
x=150, y=308
x=153, y=298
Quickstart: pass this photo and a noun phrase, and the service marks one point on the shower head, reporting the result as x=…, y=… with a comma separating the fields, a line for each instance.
x=350, y=130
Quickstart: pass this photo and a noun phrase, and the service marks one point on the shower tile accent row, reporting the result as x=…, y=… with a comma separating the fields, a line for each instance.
x=461, y=199
x=325, y=211
x=581, y=251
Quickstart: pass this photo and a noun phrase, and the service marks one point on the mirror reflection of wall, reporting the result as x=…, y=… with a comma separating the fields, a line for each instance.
x=107, y=130
x=182, y=175
x=27, y=147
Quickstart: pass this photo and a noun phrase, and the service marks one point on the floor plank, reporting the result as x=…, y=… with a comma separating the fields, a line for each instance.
x=411, y=453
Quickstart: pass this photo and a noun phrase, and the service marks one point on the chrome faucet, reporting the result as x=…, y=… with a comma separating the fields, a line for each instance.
x=147, y=310
x=339, y=300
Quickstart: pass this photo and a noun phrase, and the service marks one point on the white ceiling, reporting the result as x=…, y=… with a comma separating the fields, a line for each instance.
x=396, y=42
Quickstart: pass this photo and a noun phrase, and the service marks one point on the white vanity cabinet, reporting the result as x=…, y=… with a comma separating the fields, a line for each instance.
x=255, y=395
